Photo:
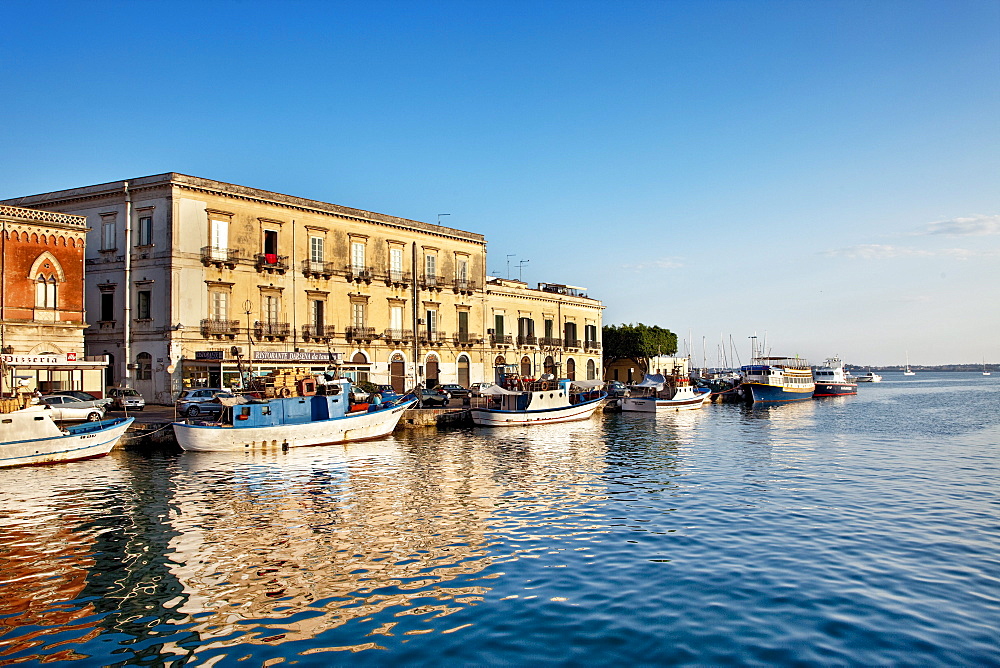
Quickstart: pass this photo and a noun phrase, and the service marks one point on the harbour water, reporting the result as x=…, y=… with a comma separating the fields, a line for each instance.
x=846, y=531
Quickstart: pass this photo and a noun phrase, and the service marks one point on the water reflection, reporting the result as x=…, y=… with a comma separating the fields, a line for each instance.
x=284, y=547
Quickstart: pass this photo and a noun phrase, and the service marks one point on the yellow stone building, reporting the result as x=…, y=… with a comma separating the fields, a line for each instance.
x=189, y=280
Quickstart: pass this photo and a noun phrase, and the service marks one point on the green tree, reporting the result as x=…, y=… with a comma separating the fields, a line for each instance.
x=639, y=342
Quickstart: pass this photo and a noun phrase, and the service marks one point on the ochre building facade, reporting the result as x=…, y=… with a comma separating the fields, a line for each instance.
x=191, y=281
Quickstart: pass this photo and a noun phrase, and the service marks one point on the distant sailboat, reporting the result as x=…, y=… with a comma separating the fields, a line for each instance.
x=985, y=372
x=907, y=372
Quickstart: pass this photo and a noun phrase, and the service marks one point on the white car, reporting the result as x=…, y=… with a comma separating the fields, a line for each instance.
x=72, y=409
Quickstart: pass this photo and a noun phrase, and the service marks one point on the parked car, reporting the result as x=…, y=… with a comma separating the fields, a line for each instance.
x=476, y=389
x=201, y=402
x=454, y=390
x=616, y=388
x=433, y=397
x=82, y=396
x=125, y=398
x=72, y=409
x=388, y=392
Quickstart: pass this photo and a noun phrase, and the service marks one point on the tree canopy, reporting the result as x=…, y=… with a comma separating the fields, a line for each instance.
x=637, y=342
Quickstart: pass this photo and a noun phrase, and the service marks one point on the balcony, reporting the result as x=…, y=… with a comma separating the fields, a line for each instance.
x=360, y=333
x=219, y=257
x=271, y=330
x=550, y=342
x=464, y=286
x=271, y=263
x=359, y=274
x=220, y=328
x=431, y=282
x=466, y=339
x=434, y=338
x=501, y=339
x=398, y=335
x=315, y=269
x=527, y=340
x=317, y=332
x=396, y=278
x=592, y=345
x=572, y=343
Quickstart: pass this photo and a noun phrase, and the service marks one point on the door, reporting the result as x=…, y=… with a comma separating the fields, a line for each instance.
x=432, y=372
x=397, y=374
x=463, y=371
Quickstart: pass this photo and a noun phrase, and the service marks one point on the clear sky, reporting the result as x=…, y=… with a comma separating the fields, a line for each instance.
x=827, y=173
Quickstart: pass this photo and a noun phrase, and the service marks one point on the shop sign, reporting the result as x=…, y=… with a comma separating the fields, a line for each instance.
x=21, y=360
x=277, y=356
x=208, y=354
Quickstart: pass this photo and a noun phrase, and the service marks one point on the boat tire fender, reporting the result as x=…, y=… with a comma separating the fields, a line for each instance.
x=285, y=392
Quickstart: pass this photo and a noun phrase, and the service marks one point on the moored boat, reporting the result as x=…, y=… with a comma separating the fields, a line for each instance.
x=523, y=403
x=29, y=436
x=283, y=422
x=870, y=377
x=657, y=393
x=777, y=379
x=832, y=381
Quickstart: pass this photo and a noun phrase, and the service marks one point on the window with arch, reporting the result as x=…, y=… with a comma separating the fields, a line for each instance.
x=143, y=366
x=571, y=368
x=591, y=370
x=46, y=292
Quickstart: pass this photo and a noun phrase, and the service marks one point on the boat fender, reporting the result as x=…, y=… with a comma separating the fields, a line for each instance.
x=285, y=392
x=544, y=385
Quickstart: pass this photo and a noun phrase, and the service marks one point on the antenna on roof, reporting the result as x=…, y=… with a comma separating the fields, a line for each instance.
x=442, y=214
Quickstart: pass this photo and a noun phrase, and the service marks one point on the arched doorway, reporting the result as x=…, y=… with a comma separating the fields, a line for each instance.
x=397, y=373
x=498, y=365
x=431, y=370
x=549, y=365
x=571, y=368
x=463, y=371
x=526, y=367
x=591, y=370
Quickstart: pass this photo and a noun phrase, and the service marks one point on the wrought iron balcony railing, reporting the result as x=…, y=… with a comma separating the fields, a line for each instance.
x=271, y=330
x=214, y=255
x=501, y=339
x=271, y=263
x=220, y=328
x=360, y=333
x=392, y=334
x=527, y=340
x=318, y=332
x=317, y=269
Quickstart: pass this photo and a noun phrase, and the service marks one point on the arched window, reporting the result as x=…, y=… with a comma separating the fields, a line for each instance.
x=143, y=366
x=571, y=369
x=549, y=365
x=526, y=366
x=591, y=370
x=46, y=292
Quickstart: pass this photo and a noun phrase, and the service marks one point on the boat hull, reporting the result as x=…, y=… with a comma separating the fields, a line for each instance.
x=486, y=417
x=351, y=427
x=85, y=441
x=654, y=405
x=835, y=389
x=761, y=393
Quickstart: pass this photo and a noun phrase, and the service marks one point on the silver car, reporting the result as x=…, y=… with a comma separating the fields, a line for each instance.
x=200, y=402
x=72, y=409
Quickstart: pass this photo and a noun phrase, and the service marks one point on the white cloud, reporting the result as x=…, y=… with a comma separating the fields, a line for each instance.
x=665, y=263
x=886, y=252
x=962, y=227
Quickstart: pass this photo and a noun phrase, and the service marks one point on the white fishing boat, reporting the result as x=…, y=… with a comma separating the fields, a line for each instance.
x=870, y=377
x=247, y=424
x=832, y=381
x=906, y=370
x=30, y=436
x=523, y=403
x=657, y=393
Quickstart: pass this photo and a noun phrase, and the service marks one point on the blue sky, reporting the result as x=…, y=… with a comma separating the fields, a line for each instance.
x=824, y=172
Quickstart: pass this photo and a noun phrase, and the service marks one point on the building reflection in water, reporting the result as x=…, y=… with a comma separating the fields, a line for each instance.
x=393, y=533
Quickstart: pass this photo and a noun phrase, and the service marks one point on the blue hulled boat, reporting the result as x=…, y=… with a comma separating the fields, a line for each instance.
x=777, y=379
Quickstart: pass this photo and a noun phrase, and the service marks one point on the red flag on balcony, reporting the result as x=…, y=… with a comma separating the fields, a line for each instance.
x=271, y=258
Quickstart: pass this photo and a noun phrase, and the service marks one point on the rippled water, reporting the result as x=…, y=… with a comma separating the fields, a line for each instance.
x=849, y=531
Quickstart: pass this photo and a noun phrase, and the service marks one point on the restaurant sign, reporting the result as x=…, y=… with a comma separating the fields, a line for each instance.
x=272, y=356
x=22, y=360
